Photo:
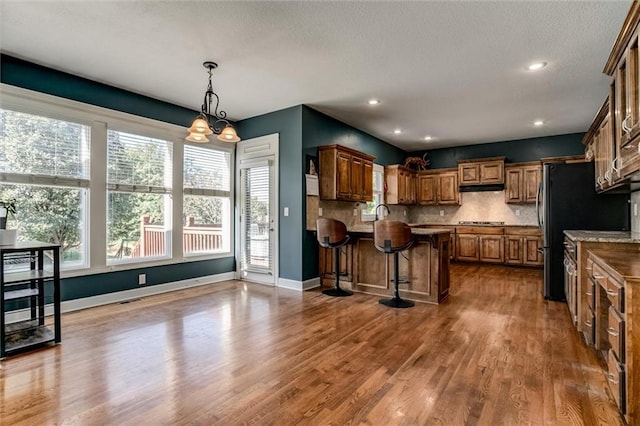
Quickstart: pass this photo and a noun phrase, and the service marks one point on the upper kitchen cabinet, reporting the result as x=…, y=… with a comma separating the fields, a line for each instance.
x=438, y=187
x=600, y=148
x=622, y=159
x=521, y=182
x=401, y=185
x=482, y=171
x=345, y=174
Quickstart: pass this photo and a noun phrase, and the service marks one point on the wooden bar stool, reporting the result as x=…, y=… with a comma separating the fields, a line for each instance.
x=332, y=234
x=392, y=237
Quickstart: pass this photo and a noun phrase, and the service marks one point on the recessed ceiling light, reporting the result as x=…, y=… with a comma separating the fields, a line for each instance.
x=373, y=101
x=427, y=138
x=536, y=66
x=538, y=123
x=397, y=131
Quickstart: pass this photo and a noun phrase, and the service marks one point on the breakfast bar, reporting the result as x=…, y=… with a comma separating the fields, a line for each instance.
x=424, y=267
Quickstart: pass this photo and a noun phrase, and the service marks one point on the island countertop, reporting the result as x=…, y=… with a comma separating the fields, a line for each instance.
x=603, y=236
x=368, y=229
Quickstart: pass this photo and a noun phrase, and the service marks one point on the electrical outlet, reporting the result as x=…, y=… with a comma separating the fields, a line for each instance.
x=405, y=212
x=355, y=212
x=320, y=211
x=441, y=212
x=517, y=212
x=286, y=211
x=635, y=209
x=142, y=279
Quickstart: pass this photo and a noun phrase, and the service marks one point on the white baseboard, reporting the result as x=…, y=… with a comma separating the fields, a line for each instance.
x=299, y=285
x=120, y=296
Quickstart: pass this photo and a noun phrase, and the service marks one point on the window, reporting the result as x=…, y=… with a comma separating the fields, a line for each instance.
x=368, y=212
x=207, y=201
x=139, y=173
x=44, y=165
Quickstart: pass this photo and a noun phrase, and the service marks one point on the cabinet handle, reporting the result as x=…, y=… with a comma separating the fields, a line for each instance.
x=612, y=293
x=611, y=378
x=624, y=126
x=587, y=323
x=565, y=262
x=598, y=277
x=588, y=293
x=613, y=165
x=612, y=332
x=589, y=268
x=608, y=175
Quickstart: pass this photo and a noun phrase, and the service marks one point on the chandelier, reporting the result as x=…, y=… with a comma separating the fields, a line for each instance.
x=211, y=121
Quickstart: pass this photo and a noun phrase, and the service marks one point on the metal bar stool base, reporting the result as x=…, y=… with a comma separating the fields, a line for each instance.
x=337, y=292
x=396, y=302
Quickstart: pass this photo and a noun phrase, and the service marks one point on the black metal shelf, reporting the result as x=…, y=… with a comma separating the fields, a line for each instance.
x=24, y=270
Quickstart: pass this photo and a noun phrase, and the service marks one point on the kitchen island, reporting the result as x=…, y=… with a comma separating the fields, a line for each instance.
x=425, y=265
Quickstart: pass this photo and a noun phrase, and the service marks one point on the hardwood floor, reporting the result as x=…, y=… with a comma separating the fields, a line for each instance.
x=233, y=353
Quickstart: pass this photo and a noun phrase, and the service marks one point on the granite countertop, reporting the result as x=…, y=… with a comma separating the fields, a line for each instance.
x=368, y=229
x=603, y=236
x=624, y=264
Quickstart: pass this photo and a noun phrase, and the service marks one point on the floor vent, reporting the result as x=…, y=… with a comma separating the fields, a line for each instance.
x=129, y=301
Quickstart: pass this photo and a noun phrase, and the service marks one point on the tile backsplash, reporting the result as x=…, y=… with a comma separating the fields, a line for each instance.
x=476, y=206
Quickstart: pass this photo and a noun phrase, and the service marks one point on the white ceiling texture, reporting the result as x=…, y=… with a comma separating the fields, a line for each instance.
x=454, y=70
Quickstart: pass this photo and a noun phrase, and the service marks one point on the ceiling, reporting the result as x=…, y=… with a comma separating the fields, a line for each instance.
x=454, y=70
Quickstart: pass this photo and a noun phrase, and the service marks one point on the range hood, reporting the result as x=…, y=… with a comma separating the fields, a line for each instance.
x=480, y=188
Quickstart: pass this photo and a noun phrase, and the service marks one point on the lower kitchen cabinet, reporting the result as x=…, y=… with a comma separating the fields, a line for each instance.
x=326, y=265
x=615, y=322
x=491, y=248
x=467, y=247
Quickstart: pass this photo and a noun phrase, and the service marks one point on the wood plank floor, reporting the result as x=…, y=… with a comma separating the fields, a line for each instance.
x=234, y=353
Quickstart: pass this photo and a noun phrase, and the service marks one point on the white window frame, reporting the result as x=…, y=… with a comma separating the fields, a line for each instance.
x=377, y=192
x=99, y=119
x=212, y=193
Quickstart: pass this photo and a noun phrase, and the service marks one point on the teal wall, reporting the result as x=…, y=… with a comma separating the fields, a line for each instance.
x=301, y=130
x=516, y=151
x=319, y=129
x=287, y=123
x=30, y=76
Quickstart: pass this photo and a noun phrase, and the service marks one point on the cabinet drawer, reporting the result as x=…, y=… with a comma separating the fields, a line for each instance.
x=589, y=327
x=615, y=294
x=616, y=378
x=615, y=331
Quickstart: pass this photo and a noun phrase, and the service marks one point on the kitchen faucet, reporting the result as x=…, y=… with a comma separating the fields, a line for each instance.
x=385, y=206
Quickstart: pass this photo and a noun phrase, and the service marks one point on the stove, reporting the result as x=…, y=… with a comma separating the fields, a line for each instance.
x=479, y=222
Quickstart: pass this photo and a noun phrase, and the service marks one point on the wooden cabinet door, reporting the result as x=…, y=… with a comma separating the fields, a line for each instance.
x=326, y=263
x=513, y=250
x=343, y=175
x=467, y=247
x=367, y=169
x=410, y=188
x=531, y=178
x=492, y=248
x=492, y=172
x=531, y=254
x=448, y=192
x=427, y=190
x=513, y=185
x=357, y=179
x=469, y=174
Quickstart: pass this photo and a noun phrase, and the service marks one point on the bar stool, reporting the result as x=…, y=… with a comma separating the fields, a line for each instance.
x=332, y=234
x=392, y=237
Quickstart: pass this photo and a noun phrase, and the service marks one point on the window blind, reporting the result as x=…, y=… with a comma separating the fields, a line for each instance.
x=43, y=147
x=138, y=163
x=206, y=171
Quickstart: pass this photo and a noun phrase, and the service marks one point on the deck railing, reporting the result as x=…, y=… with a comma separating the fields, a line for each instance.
x=195, y=238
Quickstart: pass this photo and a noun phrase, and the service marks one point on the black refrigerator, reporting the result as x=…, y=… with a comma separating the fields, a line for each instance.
x=567, y=200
